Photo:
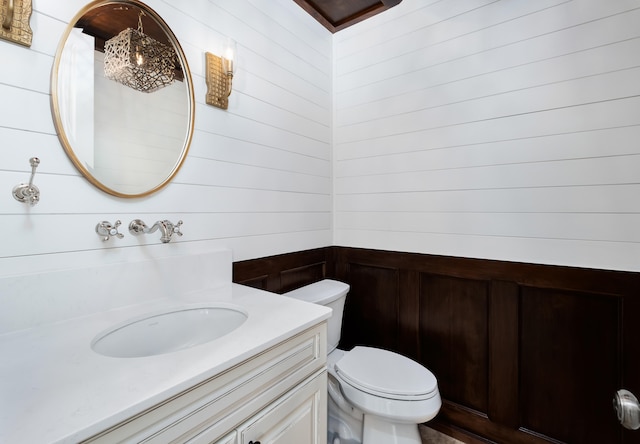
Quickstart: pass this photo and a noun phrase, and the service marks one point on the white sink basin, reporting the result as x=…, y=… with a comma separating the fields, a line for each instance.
x=168, y=331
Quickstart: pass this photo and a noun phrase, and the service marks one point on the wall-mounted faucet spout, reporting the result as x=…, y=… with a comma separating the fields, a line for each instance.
x=167, y=229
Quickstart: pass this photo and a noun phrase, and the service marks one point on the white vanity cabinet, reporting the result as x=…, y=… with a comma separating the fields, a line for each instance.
x=299, y=417
x=276, y=396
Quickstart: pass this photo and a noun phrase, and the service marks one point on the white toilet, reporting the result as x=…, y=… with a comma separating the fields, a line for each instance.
x=375, y=396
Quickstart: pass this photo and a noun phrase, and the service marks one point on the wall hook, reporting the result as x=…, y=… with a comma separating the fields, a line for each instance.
x=28, y=193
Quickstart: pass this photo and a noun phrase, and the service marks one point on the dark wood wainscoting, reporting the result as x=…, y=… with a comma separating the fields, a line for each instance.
x=285, y=272
x=523, y=353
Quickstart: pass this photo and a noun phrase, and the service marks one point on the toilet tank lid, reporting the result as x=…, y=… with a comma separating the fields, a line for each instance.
x=322, y=292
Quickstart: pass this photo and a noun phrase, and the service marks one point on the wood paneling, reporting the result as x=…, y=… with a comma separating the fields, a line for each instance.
x=570, y=360
x=299, y=276
x=524, y=354
x=286, y=272
x=374, y=312
x=503, y=340
x=339, y=14
x=453, y=337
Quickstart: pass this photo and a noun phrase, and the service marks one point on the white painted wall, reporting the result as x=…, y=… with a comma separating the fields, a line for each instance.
x=479, y=128
x=258, y=176
x=493, y=129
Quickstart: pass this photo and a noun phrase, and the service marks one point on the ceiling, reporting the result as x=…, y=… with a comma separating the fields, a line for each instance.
x=339, y=14
x=107, y=21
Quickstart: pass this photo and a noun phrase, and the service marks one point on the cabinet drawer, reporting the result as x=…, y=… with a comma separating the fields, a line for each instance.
x=227, y=399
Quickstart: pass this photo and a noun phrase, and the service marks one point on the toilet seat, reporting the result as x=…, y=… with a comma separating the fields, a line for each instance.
x=386, y=374
x=387, y=385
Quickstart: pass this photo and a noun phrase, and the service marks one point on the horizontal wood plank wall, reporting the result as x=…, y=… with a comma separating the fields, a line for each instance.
x=493, y=129
x=258, y=175
x=523, y=353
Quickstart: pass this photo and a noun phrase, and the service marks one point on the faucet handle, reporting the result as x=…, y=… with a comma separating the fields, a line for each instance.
x=105, y=230
x=176, y=228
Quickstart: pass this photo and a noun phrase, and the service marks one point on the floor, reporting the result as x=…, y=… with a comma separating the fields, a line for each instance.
x=430, y=436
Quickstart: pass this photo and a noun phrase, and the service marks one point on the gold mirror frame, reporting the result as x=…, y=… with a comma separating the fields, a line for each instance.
x=55, y=100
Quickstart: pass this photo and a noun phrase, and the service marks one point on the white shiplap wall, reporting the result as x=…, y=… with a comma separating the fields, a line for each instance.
x=481, y=128
x=493, y=129
x=257, y=178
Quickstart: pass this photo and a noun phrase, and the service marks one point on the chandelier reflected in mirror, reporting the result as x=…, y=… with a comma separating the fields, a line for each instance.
x=139, y=61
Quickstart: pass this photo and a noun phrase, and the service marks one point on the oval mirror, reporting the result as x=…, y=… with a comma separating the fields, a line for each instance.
x=122, y=98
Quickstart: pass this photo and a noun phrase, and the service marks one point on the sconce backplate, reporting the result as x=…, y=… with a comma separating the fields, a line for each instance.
x=14, y=21
x=217, y=83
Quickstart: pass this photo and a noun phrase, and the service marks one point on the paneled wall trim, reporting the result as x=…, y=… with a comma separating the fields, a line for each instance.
x=523, y=353
x=285, y=272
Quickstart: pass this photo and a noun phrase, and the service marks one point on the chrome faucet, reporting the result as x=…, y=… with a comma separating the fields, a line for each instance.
x=167, y=229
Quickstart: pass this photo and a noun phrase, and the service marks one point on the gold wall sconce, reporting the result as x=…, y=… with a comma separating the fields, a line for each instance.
x=220, y=76
x=15, y=15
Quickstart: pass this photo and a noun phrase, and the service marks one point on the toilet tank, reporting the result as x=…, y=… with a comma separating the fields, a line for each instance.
x=331, y=294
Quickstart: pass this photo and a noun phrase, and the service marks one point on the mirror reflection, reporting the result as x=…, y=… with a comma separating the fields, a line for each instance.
x=122, y=98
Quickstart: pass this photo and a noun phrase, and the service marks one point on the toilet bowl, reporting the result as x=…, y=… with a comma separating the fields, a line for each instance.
x=375, y=396
x=344, y=421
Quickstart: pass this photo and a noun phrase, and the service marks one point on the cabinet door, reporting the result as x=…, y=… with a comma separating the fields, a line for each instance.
x=298, y=417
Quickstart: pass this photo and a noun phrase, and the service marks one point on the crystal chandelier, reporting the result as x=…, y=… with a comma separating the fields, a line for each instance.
x=139, y=61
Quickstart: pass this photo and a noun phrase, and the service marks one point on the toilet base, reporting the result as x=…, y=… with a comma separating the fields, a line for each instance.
x=344, y=422
x=378, y=431
x=341, y=431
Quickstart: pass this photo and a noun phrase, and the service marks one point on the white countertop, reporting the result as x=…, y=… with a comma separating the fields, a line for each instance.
x=55, y=389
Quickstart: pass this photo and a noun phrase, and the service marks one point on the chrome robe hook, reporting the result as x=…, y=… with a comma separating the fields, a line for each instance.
x=28, y=193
